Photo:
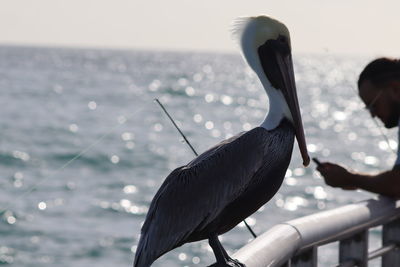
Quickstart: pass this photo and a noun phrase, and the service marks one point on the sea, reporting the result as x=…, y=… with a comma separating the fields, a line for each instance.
x=84, y=146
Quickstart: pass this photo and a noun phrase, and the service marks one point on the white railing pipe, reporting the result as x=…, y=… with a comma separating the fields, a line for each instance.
x=283, y=241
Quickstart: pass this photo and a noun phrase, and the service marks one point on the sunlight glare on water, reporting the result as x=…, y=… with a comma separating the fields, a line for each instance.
x=90, y=212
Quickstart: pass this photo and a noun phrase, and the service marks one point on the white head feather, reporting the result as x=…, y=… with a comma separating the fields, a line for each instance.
x=251, y=33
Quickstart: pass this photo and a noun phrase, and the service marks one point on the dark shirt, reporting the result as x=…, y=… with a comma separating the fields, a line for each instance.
x=397, y=163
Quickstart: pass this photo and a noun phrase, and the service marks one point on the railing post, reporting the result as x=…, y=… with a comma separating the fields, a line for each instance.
x=307, y=258
x=354, y=249
x=391, y=234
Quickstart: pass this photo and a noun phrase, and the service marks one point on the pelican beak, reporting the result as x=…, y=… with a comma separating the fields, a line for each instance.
x=289, y=91
x=278, y=66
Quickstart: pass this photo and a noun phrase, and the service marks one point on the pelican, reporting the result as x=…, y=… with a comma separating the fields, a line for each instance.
x=230, y=181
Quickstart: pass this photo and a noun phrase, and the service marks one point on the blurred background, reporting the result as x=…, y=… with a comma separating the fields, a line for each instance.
x=84, y=148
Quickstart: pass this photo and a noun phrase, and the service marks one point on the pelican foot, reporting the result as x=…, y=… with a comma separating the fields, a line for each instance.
x=230, y=263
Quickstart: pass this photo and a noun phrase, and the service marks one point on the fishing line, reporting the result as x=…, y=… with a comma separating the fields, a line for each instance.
x=69, y=162
x=384, y=135
x=194, y=151
x=379, y=126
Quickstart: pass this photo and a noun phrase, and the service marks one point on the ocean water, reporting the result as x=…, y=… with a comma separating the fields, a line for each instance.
x=83, y=146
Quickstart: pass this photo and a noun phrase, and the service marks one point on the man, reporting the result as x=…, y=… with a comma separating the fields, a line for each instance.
x=379, y=89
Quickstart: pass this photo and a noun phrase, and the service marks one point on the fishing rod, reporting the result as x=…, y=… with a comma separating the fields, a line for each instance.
x=194, y=151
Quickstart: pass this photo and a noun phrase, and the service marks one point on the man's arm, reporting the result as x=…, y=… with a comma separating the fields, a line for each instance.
x=386, y=183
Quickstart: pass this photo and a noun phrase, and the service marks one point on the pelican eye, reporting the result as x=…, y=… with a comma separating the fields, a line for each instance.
x=282, y=38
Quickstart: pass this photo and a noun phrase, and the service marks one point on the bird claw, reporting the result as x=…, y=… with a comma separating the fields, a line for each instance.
x=235, y=263
x=229, y=263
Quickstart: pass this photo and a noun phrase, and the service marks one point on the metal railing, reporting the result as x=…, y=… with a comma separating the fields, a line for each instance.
x=295, y=243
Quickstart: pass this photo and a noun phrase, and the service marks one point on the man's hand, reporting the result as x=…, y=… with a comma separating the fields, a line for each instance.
x=385, y=183
x=336, y=176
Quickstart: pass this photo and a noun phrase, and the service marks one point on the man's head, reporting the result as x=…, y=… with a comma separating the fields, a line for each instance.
x=379, y=88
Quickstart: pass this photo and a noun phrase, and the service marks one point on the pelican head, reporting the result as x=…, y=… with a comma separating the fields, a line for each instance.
x=266, y=47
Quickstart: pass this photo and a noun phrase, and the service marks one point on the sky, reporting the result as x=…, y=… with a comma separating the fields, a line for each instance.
x=316, y=26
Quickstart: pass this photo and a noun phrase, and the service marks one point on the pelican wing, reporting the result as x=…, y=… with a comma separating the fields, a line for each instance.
x=194, y=195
